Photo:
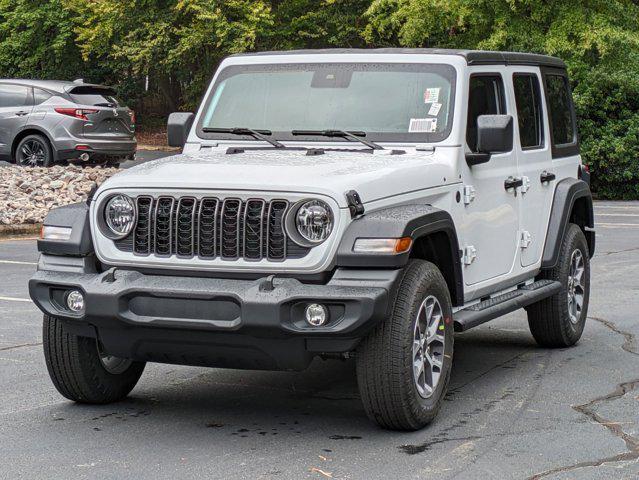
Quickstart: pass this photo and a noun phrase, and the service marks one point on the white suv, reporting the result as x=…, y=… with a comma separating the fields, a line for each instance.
x=330, y=203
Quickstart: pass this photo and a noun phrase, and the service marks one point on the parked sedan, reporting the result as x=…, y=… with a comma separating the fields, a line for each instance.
x=43, y=122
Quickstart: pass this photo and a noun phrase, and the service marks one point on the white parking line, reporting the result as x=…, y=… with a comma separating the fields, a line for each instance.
x=13, y=299
x=615, y=225
x=16, y=262
x=617, y=214
x=623, y=207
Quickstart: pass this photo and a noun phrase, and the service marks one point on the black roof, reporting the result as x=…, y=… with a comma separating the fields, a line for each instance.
x=473, y=57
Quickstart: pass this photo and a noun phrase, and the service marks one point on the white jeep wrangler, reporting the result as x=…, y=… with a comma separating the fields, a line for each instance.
x=332, y=203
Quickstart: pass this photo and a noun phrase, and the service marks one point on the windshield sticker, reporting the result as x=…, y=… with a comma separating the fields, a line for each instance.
x=422, y=125
x=434, y=109
x=431, y=95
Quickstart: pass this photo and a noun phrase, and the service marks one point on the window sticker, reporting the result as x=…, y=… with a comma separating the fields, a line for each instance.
x=434, y=109
x=431, y=95
x=422, y=125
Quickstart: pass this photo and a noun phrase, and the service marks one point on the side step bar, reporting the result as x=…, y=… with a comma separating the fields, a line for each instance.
x=492, y=308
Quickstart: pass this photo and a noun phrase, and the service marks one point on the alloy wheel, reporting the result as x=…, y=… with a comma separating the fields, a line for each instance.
x=32, y=153
x=428, y=346
x=576, y=286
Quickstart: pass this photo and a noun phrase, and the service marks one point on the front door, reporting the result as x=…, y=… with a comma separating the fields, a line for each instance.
x=490, y=227
x=15, y=107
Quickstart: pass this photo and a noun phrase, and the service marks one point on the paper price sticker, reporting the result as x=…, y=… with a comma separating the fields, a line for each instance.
x=434, y=109
x=431, y=95
x=422, y=125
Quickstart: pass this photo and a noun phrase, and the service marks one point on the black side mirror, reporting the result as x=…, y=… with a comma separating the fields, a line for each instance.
x=494, y=135
x=178, y=128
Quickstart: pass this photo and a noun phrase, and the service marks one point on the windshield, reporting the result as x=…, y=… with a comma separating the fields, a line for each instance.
x=390, y=102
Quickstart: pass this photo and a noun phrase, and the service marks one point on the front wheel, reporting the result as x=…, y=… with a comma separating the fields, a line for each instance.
x=81, y=372
x=404, y=365
x=559, y=321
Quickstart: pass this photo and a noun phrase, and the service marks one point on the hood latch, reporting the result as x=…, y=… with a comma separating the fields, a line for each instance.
x=355, y=204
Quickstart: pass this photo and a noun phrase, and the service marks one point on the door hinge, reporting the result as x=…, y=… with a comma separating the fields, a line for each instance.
x=469, y=255
x=525, y=239
x=469, y=194
x=525, y=184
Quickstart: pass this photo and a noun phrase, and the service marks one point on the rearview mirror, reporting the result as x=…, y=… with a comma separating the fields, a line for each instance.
x=178, y=128
x=494, y=135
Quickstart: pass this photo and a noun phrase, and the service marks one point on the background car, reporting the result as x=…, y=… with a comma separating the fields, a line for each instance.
x=43, y=122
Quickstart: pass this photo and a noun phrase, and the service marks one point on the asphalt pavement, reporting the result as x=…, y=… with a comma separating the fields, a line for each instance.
x=514, y=410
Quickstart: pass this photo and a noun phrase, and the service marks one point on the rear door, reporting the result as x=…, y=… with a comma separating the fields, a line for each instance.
x=534, y=161
x=15, y=107
x=108, y=119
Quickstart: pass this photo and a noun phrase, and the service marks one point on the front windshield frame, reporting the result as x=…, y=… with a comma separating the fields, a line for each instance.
x=448, y=71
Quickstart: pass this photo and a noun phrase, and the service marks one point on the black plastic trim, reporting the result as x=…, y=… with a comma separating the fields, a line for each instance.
x=567, y=192
x=76, y=217
x=415, y=221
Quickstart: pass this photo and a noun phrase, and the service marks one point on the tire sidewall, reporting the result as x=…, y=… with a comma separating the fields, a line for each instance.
x=48, y=161
x=429, y=285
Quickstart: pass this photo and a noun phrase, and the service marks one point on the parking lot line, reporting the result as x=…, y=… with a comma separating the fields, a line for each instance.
x=614, y=225
x=617, y=214
x=16, y=262
x=13, y=299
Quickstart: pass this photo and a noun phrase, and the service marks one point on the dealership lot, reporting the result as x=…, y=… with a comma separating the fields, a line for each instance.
x=513, y=410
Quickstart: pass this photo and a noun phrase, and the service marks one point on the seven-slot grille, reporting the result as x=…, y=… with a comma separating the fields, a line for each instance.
x=210, y=228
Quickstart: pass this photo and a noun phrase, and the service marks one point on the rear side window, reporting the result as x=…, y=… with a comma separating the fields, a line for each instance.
x=14, y=96
x=486, y=97
x=94, y=96
x=560, y=106
x=528, y=100
x=40, y=96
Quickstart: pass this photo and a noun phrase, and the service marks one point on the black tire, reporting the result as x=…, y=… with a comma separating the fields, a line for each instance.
x=385, y=375
x=550, y=319
x=77, y=371
x=34, y=151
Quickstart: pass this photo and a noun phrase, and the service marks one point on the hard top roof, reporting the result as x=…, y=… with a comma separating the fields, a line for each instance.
x=473, y=57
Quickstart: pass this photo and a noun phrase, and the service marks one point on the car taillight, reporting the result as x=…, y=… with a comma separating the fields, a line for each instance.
x=132, y=115
x=80, y=113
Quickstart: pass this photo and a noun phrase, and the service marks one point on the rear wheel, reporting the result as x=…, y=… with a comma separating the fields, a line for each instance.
x=404, y=365
x=81, y=371
x=559, y=321
x=34, y=151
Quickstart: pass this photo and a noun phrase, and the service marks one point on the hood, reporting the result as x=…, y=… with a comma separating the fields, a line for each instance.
x=373, y=176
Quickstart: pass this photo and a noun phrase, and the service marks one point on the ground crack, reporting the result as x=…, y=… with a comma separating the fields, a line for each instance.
x=20, y=346
x=588, y=409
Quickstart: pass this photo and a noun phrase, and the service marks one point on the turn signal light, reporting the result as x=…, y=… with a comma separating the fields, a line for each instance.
x=383, y=245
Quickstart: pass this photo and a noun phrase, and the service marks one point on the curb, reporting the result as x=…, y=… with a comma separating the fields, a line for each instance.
x=7, y=231
x=157, y=148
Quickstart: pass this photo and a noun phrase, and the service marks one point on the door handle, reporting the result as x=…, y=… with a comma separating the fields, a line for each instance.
x=513, y=182
x=22, y=114
x=546, y=177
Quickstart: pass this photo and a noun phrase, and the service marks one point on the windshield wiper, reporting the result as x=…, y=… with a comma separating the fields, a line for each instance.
x=257, y=134
x=349, y=135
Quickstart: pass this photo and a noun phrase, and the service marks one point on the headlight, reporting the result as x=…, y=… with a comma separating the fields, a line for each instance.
x=119, y=215
x=314, y=221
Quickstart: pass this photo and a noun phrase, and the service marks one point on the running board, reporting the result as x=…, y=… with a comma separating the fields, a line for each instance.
x=492, y=308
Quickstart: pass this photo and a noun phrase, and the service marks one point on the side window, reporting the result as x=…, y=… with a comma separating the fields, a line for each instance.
x=486, y=97
x=528, y=100
x=13, y=96
x=560, y=107
x=40, y=96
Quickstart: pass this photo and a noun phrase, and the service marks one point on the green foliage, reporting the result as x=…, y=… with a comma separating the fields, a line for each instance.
x=177, y=44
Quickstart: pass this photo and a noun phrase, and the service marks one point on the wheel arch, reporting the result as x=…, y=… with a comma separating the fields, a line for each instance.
x=434, y=239
x=29, y=130
x=572, y=203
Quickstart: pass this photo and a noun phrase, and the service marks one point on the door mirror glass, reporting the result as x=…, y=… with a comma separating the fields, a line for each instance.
x=178, y=128
x=494, y=133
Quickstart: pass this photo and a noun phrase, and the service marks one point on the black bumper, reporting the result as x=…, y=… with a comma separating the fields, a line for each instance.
x=257, y=324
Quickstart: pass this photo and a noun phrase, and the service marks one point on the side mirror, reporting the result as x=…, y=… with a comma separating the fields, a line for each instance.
x=494, y=135
x=178, y=128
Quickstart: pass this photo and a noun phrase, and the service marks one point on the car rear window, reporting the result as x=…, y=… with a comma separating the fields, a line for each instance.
x=95, y=96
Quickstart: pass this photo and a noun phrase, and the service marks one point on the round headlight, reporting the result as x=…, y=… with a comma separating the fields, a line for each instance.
x=314, y=221
x=119, y=215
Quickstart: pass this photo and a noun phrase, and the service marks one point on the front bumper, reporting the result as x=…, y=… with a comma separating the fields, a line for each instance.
x=256, y=324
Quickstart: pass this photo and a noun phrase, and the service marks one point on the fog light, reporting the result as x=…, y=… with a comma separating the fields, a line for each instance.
x=75, y=301
x=316, y=314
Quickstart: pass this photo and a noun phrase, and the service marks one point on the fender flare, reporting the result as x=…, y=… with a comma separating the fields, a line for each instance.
x=415, y=221
x=567, y=192
x=76, y=217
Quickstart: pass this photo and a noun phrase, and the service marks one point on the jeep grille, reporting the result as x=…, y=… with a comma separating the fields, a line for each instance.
x=209, y=228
